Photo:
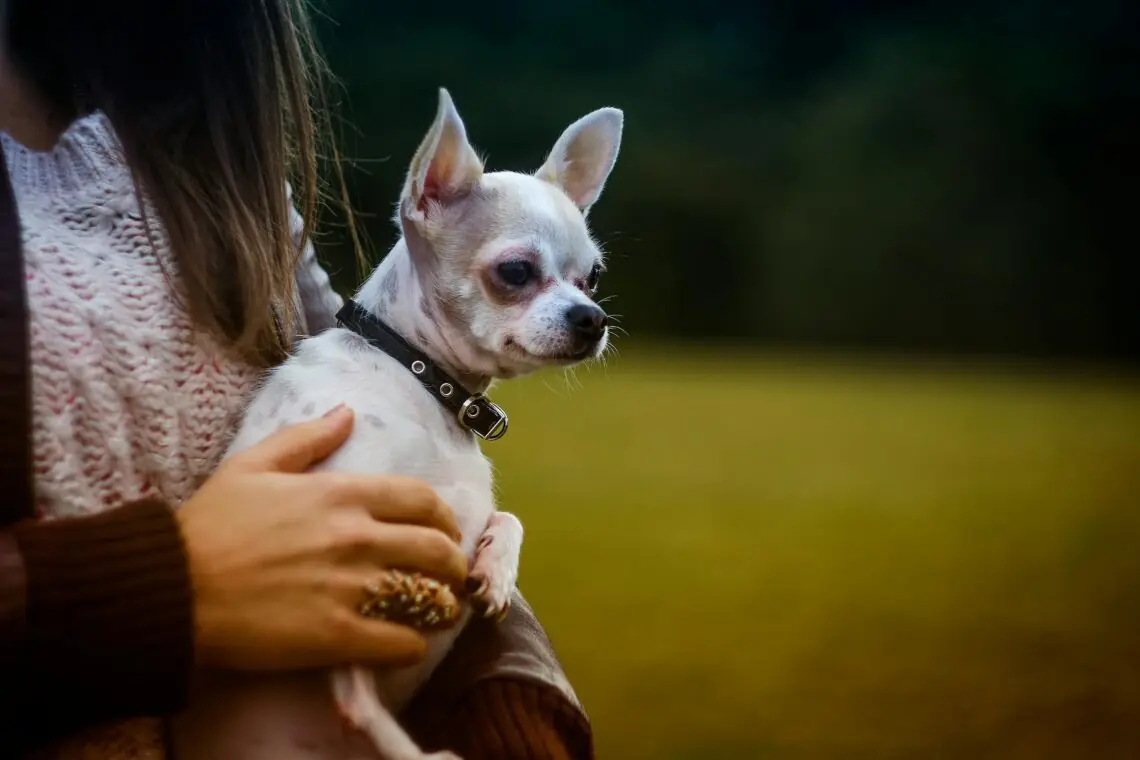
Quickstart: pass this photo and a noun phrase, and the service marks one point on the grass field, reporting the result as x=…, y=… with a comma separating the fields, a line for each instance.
x=777, y=559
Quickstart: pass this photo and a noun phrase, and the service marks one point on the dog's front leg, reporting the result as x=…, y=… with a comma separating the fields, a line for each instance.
x=496, y=565
x=354, y=689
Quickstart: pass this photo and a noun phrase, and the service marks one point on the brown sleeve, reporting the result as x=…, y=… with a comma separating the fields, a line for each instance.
x=501, y=693
x=511, y=719
x=102, y=627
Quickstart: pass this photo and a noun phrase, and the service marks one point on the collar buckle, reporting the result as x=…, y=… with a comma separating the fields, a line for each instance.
x=471, y=411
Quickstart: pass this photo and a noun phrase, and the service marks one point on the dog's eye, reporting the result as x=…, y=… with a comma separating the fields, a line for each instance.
x=516, y=273
x=593, y=278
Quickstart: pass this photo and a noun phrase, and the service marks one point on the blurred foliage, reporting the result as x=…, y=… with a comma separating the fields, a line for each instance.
x=922, y=176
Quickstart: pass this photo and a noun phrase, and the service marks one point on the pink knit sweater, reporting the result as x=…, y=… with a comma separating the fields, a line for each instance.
x=129, y=401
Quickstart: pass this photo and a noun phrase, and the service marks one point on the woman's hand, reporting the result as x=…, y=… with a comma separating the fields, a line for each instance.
x=280, y=558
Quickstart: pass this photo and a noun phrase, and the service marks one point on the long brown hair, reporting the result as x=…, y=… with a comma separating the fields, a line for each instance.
x=218, y=104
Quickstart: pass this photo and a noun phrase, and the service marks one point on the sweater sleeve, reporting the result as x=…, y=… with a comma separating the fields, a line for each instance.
x=103, y=626
x=512, y=719
x=501, y=694
x=319, y=303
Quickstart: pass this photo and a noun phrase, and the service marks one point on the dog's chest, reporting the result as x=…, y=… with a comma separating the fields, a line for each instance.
x=399, y=430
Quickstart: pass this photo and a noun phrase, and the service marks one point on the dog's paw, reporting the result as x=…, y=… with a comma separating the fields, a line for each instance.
x=491, y=590
x=495, y=570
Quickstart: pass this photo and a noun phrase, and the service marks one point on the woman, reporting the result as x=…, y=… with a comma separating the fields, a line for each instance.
x=148, y=323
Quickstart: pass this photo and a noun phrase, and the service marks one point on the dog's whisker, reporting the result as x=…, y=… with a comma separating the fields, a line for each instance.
x=618, y=235
x=611, y=349
x=546, y=384
x=572, y=379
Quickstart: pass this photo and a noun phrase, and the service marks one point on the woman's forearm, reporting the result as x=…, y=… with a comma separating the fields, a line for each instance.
x=501, y=694
x=514, y=719
x=96, y=622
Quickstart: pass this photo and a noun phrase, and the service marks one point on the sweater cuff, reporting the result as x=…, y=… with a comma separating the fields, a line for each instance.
x=512, y=719
x=109, y=617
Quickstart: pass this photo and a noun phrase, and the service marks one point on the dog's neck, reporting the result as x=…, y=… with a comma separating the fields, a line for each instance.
x=396, y=294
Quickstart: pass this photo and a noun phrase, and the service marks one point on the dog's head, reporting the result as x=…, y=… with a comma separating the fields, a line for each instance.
x=507, y=256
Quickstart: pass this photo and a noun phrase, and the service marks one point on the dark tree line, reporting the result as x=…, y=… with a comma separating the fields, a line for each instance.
x=941, y=177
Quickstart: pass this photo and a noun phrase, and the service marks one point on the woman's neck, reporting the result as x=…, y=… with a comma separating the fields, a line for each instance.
x=24, y=115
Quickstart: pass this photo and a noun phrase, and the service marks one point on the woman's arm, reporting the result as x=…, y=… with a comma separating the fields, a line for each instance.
x=501, y=694
x=319, y=302
x=95, y=613
x=95, y=622
x=512, y=719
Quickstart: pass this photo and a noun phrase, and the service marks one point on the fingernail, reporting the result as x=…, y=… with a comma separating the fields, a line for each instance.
x=336, y=409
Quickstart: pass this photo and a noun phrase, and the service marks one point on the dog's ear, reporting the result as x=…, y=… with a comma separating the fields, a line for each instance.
x=445, y=166
x=584, y=156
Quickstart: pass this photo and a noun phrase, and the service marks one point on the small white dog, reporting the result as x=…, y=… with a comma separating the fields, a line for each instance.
x=493, y=278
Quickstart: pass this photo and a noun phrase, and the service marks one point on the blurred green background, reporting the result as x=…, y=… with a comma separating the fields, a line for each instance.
x=863, y=479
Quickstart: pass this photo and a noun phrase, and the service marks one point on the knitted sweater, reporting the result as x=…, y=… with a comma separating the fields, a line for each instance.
x=131, y=410
x=129, y=401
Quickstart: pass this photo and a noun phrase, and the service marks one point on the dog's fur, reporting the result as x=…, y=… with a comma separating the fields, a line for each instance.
x=442, y=287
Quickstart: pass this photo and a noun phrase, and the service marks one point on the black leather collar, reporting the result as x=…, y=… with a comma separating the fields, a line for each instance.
x=473, y=411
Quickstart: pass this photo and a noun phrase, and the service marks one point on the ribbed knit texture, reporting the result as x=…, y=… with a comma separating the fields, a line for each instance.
x=109, y=614
x=501, y=693
x=513, y=719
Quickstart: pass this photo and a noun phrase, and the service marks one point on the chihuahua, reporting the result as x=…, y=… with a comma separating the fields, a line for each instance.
x=493, y=277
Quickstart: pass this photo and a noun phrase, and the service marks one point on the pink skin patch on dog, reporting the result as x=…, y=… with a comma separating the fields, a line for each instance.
x=504, y=295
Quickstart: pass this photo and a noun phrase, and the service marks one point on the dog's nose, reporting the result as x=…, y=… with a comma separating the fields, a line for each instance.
x=588, y=321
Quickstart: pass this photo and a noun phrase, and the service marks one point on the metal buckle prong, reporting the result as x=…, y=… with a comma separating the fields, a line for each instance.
x=468, y=411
